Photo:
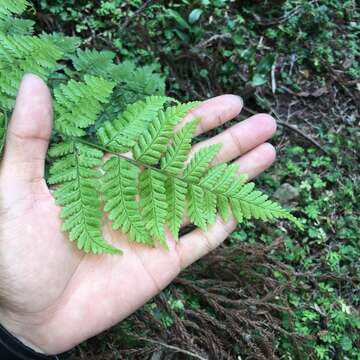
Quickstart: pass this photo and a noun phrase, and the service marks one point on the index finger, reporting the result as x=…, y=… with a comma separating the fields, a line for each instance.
x=214, y=112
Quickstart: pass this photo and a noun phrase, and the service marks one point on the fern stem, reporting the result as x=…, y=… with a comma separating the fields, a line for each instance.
x=103, y=148
x=135, y=162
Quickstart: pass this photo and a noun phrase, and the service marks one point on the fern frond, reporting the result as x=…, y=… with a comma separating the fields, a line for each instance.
x=209, y=203
x=120, y=190
x=78, y=194
x=93, y=62
x=153, y=141
x=255, y=204
x=133, y=84
x=200, y=163
x=14, y=26
x=177, y=152
x=153, y=203
x=10, y=25
x=138, y=80
x=23, y=54
x=68, y=44
x=176, y=190
x=120, y=134
x=78, y=104
x=13, y=7
x=196, y=208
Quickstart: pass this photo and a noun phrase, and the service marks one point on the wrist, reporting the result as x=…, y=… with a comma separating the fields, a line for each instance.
x=13, y=348
x=14, y=329
x=22, y=330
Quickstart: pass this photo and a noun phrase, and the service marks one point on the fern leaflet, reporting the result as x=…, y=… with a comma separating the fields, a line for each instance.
x=152, y=143
x=200, y=162
x=120, y=190
x=176, y=154
x=13, y=7
x=79, y=103
x=78, y=194
x=119, y=135
x=176, y=190
x=93, y=62
x=196, y=204
x=153, y=202
x=23, y=54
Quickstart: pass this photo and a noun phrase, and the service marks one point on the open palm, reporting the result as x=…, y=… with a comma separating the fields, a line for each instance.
x=52, y=296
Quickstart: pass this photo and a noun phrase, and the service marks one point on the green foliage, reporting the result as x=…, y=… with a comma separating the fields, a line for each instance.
x=153, y=141
x=68, y=44
x=161, y=190
x=251, y=38
x=92, y=62
x=120, y=134
x=176, y=154
x=9, y=24
x=79, y=103
x=75, y=173
x=13, y=26
x=13, y=7
x=120, y=190
x=20, y=54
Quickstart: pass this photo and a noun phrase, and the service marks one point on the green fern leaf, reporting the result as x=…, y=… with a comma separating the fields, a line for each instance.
x=213, y=176
x=236, y=210
x=138, y=81
x=13, y=26
x=227, y=178
x=152, y=143
x=77, y=193
x=156, y=177
x=93, y=62
x=223, y=207
x=176, y=154
x=153, y=203
x=255, y=204
x=200, y=163
x=13, y=7
x=176, y=190
x=133, y=84
x=120, y=190
x=119, y=135
x=78, y=104
x=196, y=208
x=68, y=44
x=210, y=202
x=20, y=55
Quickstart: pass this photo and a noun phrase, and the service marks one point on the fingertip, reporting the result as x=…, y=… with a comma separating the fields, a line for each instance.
x=32, y=82
x=269, y=152
x=267, y=123
x=33, y=109
x=257, y=160
x=233, y=102
x=215, y=112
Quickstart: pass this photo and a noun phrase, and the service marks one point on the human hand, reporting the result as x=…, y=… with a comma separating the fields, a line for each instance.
x=52, y=297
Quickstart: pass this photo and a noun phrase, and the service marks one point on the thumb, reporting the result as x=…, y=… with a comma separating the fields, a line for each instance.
x=29, y=131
